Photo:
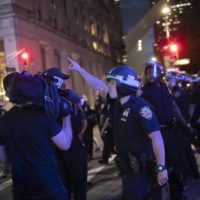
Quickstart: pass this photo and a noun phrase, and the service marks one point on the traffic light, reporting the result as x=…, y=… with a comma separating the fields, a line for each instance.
x=172, y=50
x=25, y=57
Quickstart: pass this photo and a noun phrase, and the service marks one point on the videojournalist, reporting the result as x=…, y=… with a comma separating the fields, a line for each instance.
x=72, y=163
x=28, y=134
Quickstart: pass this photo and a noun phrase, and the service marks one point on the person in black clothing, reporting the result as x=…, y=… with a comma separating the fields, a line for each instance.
x=155, y=91
x=183, y=136
x=195, y=107
x=28, y=135
x=135, y=127
x=100, y=105
x=72, y=163
x=107, y=131
x=90, y=115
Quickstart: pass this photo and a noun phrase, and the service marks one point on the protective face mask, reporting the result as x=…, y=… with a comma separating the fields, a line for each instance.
x=58, y=82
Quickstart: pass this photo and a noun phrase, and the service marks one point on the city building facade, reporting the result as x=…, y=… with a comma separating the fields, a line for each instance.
x=167, y=31
x=50, y=30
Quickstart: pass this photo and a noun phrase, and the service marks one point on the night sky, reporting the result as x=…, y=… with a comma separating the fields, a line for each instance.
x=132, y=11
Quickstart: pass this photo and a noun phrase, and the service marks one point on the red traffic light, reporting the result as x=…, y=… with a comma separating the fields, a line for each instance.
x=173, y=48
x=25, y=55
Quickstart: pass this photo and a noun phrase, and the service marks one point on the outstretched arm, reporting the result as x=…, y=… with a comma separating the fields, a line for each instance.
x=94, y=82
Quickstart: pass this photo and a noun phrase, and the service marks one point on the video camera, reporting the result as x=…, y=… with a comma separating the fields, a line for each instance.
x=40, y=90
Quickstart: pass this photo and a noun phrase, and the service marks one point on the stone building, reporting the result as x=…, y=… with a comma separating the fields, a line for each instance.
x=50, y=30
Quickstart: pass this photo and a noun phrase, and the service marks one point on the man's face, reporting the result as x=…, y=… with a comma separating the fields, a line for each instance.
x=112, y=86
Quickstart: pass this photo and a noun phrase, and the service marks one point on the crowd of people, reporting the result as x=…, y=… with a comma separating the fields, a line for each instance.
x=151, y=123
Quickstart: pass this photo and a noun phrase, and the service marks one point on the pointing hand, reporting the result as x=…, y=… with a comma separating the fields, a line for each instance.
x=74, y=66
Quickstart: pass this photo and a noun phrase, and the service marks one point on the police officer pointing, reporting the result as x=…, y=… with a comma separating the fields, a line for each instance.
x=136, y=131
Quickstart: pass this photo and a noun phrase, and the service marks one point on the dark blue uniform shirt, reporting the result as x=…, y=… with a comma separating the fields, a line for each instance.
x=157, y=94
x=182, y=100
x=132, y=123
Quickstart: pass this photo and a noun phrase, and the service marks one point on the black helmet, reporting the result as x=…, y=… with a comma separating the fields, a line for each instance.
x=172, y=78
x=127, y=80
x=153, y=71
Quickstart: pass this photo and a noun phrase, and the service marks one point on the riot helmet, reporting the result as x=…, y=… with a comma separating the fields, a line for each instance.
x=126, y=78
x=184, y=80
x=172, y=78
x=153, y=71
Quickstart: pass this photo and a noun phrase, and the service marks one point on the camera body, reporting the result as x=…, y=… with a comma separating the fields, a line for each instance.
x=25, y=88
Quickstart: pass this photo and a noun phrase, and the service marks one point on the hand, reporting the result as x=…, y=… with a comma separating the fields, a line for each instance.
x=162, y=177
x=74, y=66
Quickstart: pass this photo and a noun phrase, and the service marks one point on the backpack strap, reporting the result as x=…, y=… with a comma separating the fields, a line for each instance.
x=51, y=98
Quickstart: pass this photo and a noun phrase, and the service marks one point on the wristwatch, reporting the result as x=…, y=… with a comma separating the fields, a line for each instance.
x=160, y=168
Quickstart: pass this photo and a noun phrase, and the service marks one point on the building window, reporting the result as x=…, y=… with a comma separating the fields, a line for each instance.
x=94, y=45
x=43, y=58
x=58, y=59
x=65, y=7
x=105, y=35
x=53, y=4
x=54, y=22
x=93, y=28
x=39, y=15
x=139, y=45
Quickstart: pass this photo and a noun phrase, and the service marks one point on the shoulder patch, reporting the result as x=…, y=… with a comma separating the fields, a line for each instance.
x=146, y=112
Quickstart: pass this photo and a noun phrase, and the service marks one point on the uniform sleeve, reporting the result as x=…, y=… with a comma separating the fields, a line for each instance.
x=146, y=118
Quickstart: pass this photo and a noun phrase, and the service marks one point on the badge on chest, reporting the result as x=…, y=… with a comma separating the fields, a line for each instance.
x=125, y=115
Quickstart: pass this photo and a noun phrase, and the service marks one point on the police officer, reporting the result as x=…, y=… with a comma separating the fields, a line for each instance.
x=183, y=136
x=195, y=109
x=155, y=91
x=135, y=125
x=107, y=132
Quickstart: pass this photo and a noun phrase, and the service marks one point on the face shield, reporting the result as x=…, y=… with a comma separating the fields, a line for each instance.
x=153, y=72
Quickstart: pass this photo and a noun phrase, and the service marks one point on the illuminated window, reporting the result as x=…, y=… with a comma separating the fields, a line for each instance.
x=94, y=45
x=93, y=29
x=139, y=45
x=105, y=36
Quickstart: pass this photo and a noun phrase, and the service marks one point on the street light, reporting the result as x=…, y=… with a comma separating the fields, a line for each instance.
x=165, y=10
